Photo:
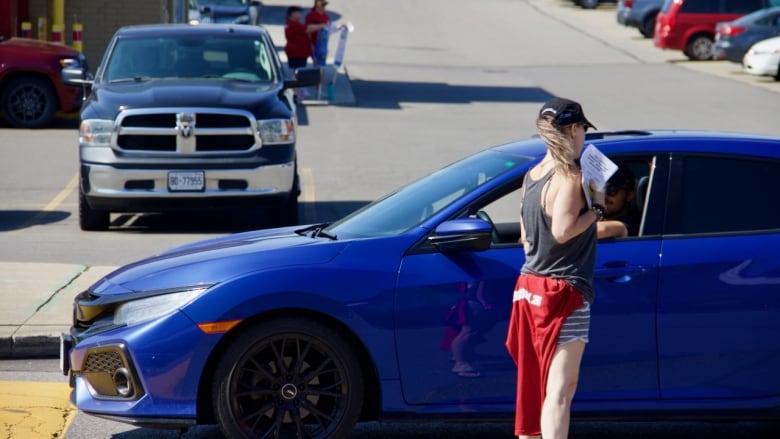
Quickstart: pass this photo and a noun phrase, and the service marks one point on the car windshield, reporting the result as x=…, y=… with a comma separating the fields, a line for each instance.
x=244, y=59
x=414, y=203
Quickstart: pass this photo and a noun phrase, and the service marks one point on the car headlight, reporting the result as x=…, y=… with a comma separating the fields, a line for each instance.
x=275, y=131
x=154, y=307
x=96, y=132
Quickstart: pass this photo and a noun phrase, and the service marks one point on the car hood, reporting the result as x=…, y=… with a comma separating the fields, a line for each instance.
x=28, y=45
x=261, y=99
x=216, y=260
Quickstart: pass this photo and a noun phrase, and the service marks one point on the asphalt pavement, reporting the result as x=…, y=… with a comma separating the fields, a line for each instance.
x=38, y=298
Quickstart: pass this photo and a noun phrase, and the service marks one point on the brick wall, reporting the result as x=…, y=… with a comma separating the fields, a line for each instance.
x=101, y=18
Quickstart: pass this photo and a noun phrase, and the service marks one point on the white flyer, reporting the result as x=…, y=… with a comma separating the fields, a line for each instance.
x=596, y=167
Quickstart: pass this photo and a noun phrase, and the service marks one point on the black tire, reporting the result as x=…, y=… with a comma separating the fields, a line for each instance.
x=290, y=378
x=285, y=214
x=648, y=26
x=589, y=4
x=89, y=219
x=29, y=102
x=699, y=47
x=777, y=75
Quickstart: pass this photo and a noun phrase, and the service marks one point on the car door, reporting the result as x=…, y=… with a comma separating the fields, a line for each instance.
x=620, y=362
x=719, y=283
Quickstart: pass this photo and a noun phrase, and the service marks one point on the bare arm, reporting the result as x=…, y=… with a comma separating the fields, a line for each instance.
x=567, y=221
x=611, y=229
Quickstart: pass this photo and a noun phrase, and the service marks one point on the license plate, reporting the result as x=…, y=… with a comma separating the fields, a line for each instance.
x=66, y=342
x=189, y=181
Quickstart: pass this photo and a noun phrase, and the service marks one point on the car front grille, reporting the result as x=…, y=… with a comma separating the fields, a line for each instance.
x=186, y=131
x=107, y=361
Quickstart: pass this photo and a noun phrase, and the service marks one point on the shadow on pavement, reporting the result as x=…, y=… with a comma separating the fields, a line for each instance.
x=389, y=94
x=21, y=219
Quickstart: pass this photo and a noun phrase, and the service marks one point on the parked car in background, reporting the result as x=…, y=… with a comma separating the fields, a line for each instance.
x=763, y=58
x=303, y=331
x=639, y=14
x=734, y=38
x=591, y=4
x=226, y=11
x=689, y=25
x=190, y=117
x=32, y=90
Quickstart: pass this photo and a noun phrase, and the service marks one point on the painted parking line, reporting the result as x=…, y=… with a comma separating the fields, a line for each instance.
x=308, y=195
x=52, y=205
x=35, y=409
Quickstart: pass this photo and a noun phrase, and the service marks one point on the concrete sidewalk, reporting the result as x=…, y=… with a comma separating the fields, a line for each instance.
x=38, y=305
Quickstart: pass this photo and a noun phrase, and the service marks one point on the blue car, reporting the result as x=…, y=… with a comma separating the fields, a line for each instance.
x=304, y=331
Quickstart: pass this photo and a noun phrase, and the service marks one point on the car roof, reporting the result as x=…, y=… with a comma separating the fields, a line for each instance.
x=658, y=141
x=190, y=29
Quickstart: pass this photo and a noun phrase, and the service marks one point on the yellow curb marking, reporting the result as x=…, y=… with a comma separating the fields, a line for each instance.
x=34, y=409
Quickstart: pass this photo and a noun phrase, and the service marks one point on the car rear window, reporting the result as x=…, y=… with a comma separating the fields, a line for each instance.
x=701, y=6
x=742, y=6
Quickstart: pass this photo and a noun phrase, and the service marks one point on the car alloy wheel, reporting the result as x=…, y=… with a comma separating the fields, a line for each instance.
x=29, y=102
x=699, y=48
x=288, y=378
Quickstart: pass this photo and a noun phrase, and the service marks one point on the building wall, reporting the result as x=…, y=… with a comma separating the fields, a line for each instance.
x=100, y=19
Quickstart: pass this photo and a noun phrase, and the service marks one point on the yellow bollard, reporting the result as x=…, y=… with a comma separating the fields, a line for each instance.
x=42, y=32
x=26, y=29
x=56, y=33
x=78, y=36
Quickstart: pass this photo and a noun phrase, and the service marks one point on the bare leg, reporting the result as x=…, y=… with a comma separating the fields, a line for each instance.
x=561, y=385
x=522, y=436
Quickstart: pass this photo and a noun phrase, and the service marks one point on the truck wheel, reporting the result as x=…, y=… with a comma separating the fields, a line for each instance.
x=90, y=219
x=286, y=214
x=29, y=102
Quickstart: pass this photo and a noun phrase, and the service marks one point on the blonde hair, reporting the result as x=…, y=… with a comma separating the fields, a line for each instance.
x=557, y=142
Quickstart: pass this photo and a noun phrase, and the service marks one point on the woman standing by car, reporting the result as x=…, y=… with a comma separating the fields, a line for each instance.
x=550, y=317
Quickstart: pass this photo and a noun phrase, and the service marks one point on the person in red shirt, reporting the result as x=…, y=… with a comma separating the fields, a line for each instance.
x=298, y=35
x=318, y=16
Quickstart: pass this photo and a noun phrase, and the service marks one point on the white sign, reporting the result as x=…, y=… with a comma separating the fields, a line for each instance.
x=596, y=167
x=345, y=31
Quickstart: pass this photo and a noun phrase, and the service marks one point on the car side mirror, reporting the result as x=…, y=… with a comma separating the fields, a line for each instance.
x=76, y=76
x=304, y=77
x=466, y=234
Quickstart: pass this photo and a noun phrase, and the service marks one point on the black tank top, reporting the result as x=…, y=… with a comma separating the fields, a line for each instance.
x=572, y=261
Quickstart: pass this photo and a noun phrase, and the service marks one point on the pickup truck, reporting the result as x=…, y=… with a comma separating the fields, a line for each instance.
x=184, y=116
x=32, y=90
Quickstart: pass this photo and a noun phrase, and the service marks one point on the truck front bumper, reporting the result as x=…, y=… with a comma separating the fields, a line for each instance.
x=138, y=190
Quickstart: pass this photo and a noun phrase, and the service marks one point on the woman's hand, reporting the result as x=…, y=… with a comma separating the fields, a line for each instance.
x=596, y=193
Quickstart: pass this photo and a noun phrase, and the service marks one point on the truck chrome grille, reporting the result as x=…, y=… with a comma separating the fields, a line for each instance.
x=190, y=131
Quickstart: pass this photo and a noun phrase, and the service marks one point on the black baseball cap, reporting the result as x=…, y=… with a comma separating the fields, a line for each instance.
x=565, y=112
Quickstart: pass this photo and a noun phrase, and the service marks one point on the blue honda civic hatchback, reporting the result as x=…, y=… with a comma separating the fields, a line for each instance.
x=305, y=331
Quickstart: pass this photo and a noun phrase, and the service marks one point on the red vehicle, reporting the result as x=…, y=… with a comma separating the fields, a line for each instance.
x=689, y=25
x=31, y=86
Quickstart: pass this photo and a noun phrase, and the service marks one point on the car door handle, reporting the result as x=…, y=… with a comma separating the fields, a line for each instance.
x=620, y=273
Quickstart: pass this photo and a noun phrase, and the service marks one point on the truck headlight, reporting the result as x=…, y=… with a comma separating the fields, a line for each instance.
x=154, y=307
x=276, y=131
x=96, y=132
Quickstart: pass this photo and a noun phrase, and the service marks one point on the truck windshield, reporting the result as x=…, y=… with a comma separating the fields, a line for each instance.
x=191, y=57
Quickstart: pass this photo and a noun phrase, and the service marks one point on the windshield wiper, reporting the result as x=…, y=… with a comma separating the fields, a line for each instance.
x=131, y=79
x=316, y=231
x=325, y=234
